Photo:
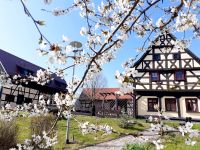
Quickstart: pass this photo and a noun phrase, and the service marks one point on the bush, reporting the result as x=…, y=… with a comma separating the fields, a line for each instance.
x=41, y=123
x=126, y=120
x=8, y=134
x=137, y=147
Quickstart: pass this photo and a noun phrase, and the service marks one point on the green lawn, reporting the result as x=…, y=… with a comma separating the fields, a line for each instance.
x=177, y=142
x=173, y=141
x=75, y=133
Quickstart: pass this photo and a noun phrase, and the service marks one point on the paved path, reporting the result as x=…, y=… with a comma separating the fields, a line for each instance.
x=119, y=143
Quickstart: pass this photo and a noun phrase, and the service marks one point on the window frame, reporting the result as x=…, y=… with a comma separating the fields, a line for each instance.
x=9, y=98
x=156, y=57
x=20, y=97
x=86, y=104
x=177, y=79
x=158, y=74
x=23, y=71
x=169, y=101
x=152, y=109
x=186, y=106
x=28, y=100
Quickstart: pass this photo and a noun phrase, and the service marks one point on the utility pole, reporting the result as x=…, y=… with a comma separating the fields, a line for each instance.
x=77, y=50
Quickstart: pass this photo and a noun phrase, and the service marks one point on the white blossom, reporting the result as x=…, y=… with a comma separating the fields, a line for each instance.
x=159, y=23
x=83, y=31
x=65, y=39
x=42, y=77
x=186, y=21
x=43, y=45
x=58, y=12
x=86, y=128
x=5, y=80
x=158, y=144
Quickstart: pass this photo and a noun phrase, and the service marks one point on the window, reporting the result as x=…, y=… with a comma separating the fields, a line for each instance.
x=86, y=104
x=176, y=56
x=20, y=99
x=151, y=104
x=28, y=100
x=170, y=104
x=156, y=57
x=191, y=105
x=9, y=98
x=179, y=75
x=155, y=76
x=23, y=71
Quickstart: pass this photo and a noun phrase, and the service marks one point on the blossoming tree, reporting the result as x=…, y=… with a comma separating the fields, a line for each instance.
x=108, y=24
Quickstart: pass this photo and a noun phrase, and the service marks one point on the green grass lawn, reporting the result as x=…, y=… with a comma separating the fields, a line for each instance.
x=177, y=142
x=75, y=133
x=173, y=141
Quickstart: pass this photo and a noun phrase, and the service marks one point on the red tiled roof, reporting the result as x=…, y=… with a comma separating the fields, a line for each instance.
x=103, y=94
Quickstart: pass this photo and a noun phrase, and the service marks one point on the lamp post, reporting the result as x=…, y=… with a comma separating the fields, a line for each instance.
x=77, y=50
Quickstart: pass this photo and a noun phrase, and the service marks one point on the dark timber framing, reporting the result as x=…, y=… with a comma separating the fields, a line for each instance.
x=172, y=59
x=12, y=65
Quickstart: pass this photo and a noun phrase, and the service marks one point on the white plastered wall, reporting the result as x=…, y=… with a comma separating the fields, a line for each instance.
x=143, y=108
x=15, y=93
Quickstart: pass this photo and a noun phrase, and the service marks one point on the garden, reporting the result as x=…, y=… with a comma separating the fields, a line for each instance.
x=105, y=27
x=23, y=128
x=20, y=130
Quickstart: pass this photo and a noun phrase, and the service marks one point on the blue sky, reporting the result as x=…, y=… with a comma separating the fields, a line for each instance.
x=20, y=37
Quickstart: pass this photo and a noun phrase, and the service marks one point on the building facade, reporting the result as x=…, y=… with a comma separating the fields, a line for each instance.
x=168, y=76
x=21, y=93
x=105, y=102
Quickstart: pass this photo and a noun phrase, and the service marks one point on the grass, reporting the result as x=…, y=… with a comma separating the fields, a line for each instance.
x=76, y=135
x=173, y=141
x=92, y=138
x=24, y=128
x=177, y=142
x=138, y=147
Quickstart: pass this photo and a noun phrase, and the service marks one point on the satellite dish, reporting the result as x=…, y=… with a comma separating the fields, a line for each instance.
x=76, y=44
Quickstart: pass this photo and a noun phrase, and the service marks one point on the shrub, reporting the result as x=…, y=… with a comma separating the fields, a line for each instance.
x=42, y=123
x=126, y=120
x=137, y=147
x=8, y=134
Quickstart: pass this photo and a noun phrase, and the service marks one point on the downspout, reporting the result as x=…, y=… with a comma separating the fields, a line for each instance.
x=1, y=89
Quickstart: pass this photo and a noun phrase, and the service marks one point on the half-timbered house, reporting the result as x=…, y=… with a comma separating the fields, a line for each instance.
x=168, y=76
x=25, y=93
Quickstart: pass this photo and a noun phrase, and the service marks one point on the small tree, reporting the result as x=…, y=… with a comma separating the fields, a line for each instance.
x=98, y=81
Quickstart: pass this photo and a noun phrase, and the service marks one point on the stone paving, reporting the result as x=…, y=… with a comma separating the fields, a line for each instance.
x=118, y=144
